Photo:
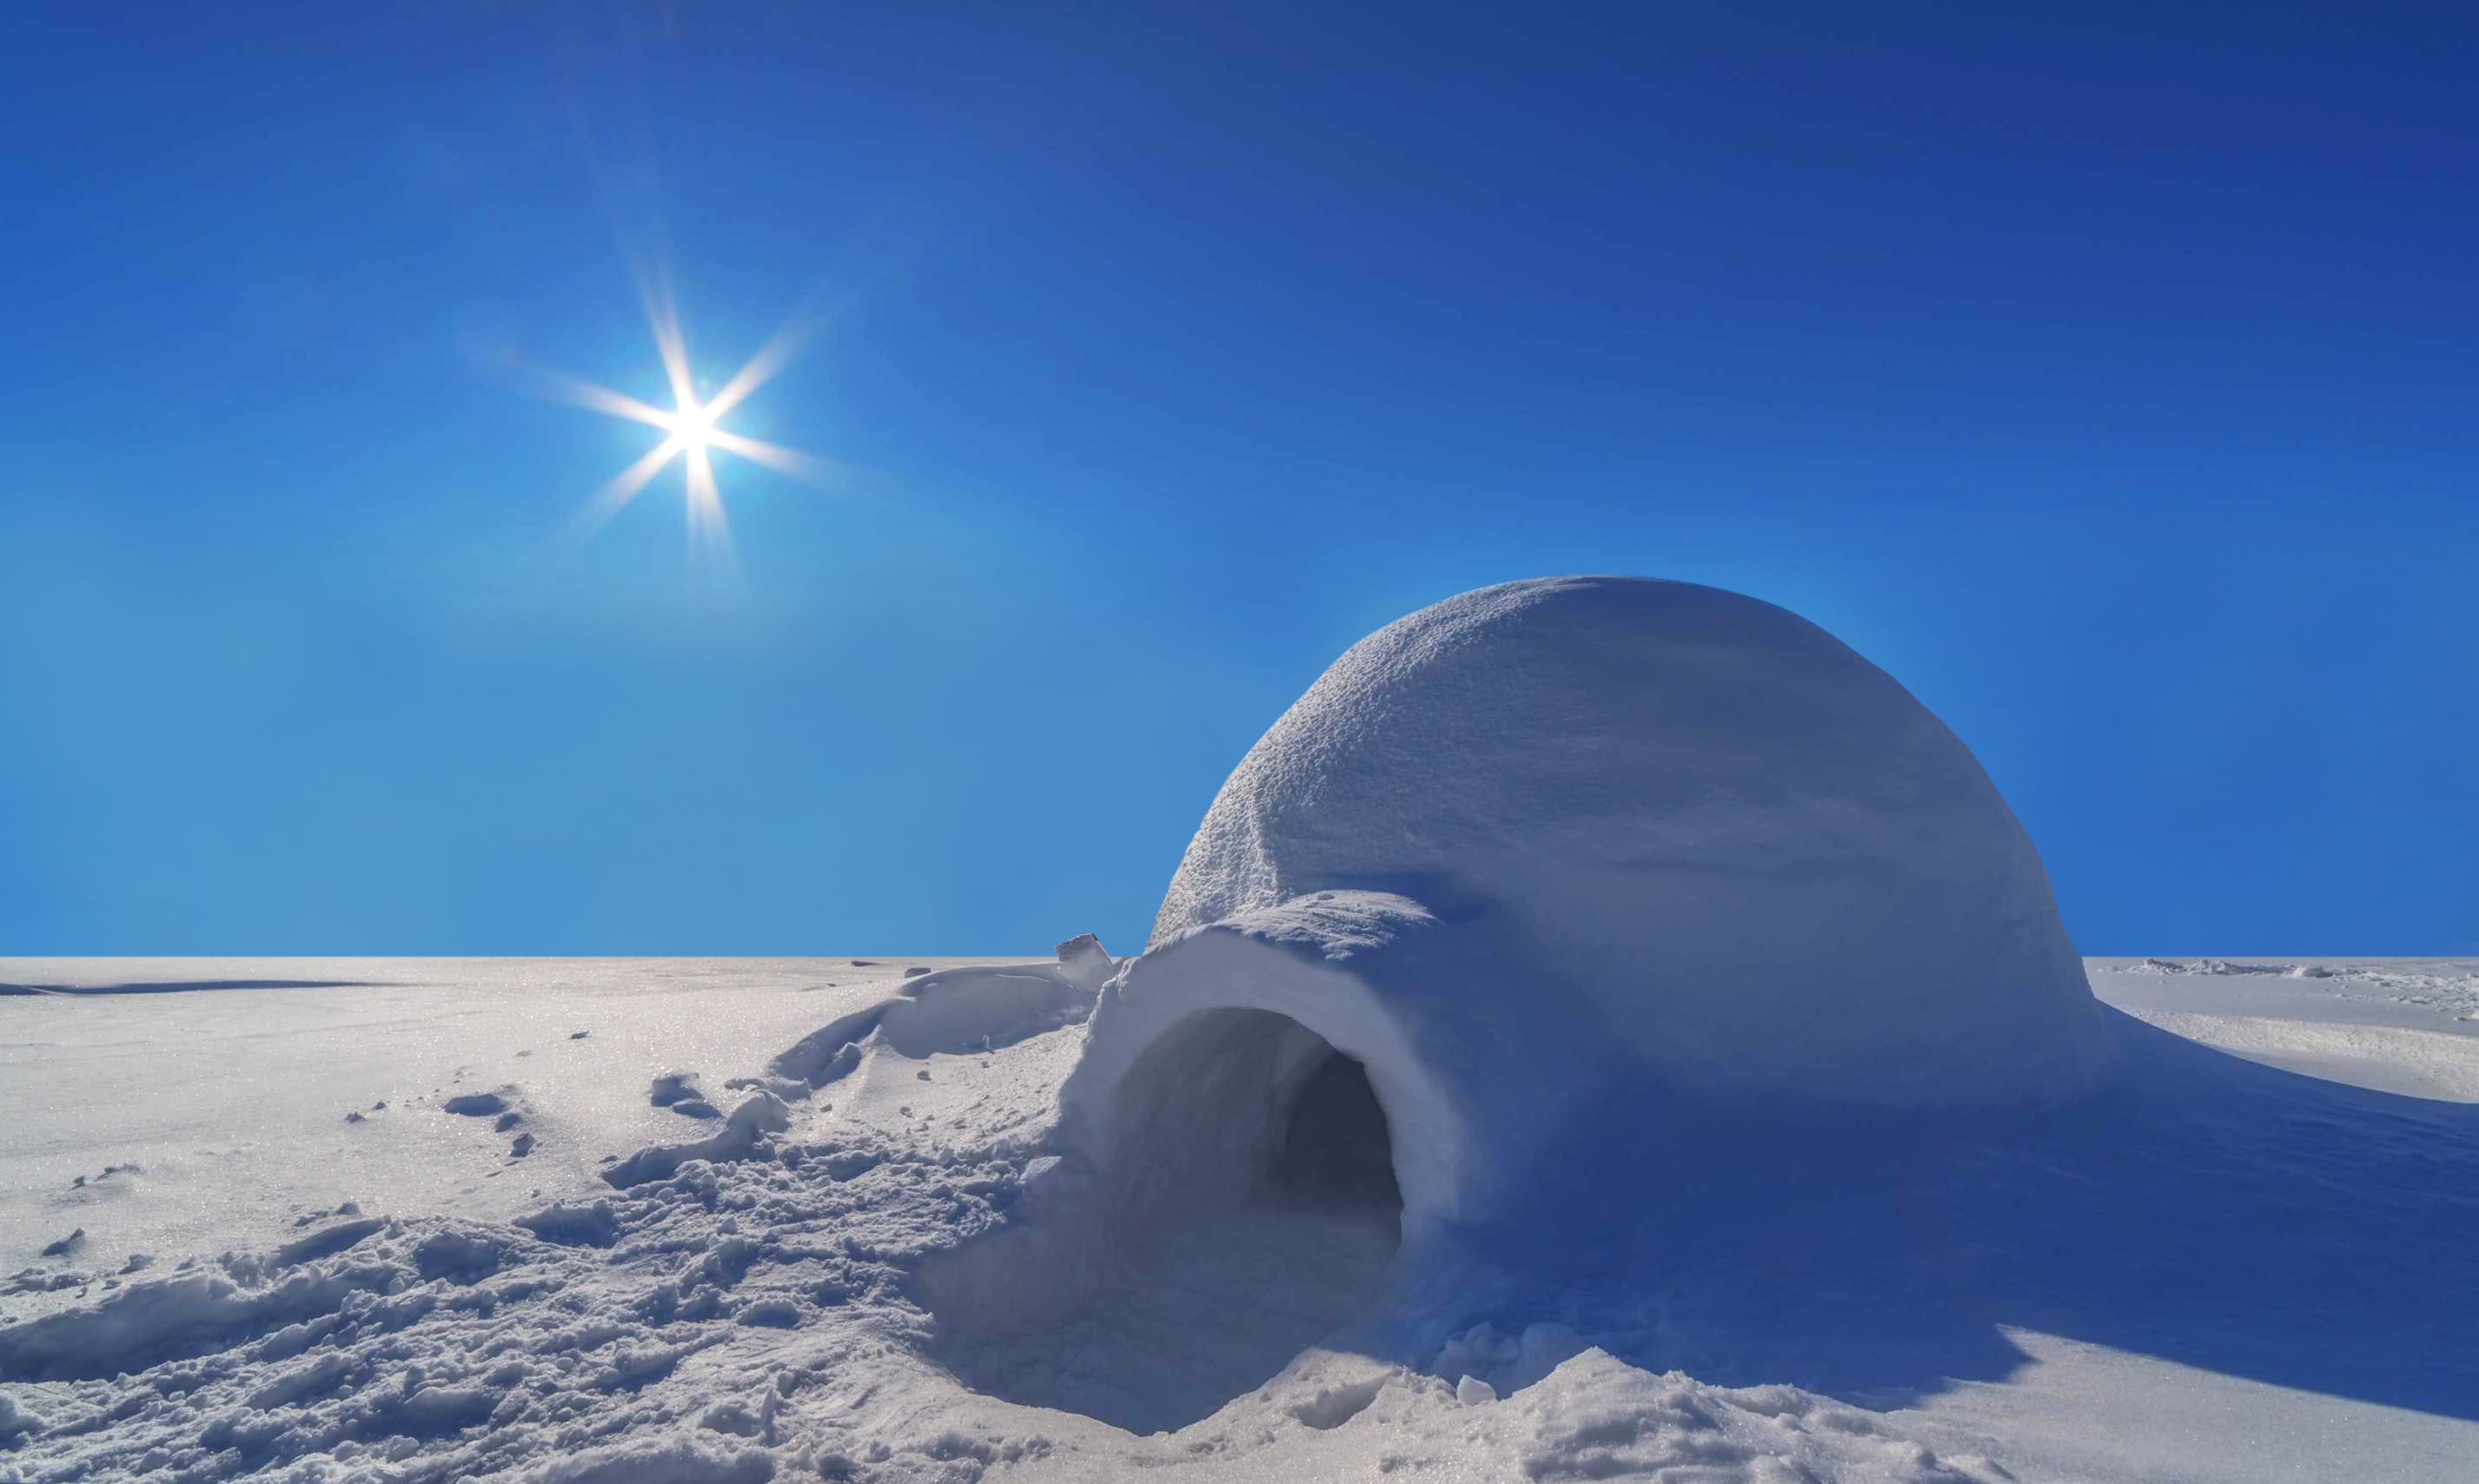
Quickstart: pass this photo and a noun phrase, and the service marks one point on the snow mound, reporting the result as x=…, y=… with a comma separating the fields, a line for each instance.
x=1526, y=884
x=953, y=1011
x=1689, y=819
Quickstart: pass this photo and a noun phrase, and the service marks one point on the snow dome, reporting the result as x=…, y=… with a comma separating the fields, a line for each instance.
x=1541, y=868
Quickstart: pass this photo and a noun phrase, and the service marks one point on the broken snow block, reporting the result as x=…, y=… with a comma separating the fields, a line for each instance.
x=1084, y=962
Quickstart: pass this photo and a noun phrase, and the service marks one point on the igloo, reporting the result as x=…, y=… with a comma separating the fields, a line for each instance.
x=1525, y=869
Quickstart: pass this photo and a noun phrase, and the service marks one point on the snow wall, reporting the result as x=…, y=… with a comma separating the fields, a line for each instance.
x=1545, y=860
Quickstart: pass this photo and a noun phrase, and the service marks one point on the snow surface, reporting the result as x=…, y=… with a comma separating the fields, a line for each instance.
x=1607, y=1028
x=2219, y=1268
x=1622, y=794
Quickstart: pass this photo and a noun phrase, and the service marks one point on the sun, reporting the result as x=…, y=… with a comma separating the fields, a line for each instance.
x=693, y=429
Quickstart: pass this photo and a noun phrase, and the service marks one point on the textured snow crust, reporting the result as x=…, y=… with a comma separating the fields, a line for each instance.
x=2264, y=1274
x=747, y=1306
x=1687, y=825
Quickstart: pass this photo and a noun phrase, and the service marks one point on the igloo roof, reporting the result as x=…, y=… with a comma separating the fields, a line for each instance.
x=1718, y=834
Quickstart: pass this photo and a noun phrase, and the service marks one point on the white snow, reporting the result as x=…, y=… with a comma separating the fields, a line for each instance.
x=1678, y=823
x=1553, y=868
x=2302, y=1316
x=223, y=1112
x=2280, y=1290
x=1607, y=1029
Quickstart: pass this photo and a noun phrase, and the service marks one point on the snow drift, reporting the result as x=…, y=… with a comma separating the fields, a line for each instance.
x=1532, y=865
x=2216, y=1269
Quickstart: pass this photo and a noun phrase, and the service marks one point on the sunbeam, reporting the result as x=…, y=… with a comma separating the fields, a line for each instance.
x=809, y=467
x=624, y=487
x=575, y=389
x=691, y=428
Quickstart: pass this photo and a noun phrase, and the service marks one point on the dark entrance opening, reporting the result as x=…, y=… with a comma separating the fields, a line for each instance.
x=1252, y=1210
x=1336, y=1152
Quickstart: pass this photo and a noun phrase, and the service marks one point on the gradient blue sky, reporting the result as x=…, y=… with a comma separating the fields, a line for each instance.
x=2108, y=376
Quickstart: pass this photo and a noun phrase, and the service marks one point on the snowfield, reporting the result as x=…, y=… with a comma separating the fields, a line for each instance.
x=638, y=1220
x=1605, y=1029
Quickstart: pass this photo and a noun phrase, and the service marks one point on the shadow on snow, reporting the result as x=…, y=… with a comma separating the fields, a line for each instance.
x=2204, y=1209
x=187, y=985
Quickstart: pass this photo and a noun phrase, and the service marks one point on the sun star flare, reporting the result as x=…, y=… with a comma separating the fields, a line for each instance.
x=692, y=429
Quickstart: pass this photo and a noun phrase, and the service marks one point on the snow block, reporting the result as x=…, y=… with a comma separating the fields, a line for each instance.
x=1083, y=961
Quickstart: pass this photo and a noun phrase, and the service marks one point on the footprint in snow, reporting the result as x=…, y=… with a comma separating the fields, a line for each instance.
x=506, y=1109
x=679, y=1091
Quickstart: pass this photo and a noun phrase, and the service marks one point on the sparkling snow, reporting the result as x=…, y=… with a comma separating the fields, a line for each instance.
x=2247, y=1262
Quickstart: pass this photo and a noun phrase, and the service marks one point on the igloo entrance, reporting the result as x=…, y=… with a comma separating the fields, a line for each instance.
x=1236, y=1108
x=1337, y=1150
x=1249, y=1207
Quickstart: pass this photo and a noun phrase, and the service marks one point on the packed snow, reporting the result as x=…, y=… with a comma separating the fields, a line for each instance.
x=2224, y=1270
x=1606, y=1029
x=1519, y=862
x=1620, y=790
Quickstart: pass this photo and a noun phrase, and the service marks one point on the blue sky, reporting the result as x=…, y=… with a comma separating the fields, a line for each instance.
x=2106, y=377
